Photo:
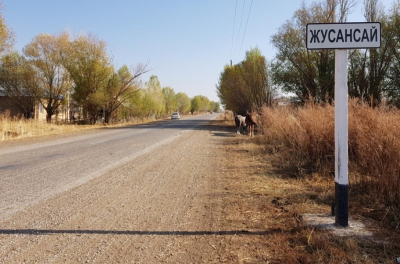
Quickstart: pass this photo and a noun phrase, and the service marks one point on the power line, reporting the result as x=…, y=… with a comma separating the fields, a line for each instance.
x=245, y=28
x=233, y=33
x=240, y=25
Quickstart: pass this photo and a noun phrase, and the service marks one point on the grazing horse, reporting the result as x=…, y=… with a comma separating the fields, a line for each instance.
x=240, y=122
x=251, y=121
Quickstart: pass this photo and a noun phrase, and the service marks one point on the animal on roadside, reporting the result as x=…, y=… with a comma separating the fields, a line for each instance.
x=251, y=122
x=240, y=122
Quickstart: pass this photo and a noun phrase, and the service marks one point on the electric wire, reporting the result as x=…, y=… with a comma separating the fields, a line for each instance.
x=240, y=25
x=245, y=28
x=233, y=33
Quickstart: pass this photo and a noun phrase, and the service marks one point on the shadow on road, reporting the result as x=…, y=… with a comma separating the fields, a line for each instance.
x=39, y=232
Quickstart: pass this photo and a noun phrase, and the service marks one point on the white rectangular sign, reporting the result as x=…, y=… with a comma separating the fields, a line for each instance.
x=344, y=35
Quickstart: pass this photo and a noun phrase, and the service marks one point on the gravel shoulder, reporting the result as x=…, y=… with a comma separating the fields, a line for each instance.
x=157, y=208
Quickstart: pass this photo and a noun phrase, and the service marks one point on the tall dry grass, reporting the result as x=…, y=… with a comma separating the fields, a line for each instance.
x=303, y=138
x=15, y=128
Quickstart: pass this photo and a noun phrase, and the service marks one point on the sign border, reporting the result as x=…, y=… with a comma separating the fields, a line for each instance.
x=380, y=34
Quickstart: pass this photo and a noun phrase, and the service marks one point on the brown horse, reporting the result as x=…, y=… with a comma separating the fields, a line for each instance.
x=251, y=122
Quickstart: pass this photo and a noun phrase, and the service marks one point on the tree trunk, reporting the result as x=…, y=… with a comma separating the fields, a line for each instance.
x=107, y=115
x=49, y=113
x=48, y=118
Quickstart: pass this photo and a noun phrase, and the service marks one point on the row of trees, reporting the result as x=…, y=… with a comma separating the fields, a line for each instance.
x=152, y=100
x=244, y=87
x=53, y=69
x=373, y=73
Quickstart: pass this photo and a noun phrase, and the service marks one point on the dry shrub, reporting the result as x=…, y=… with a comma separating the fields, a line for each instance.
x=228, y=116
x=303, y=137
x=374, y=147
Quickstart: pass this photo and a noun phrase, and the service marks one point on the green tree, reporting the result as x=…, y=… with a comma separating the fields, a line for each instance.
x=183, y=102
x=244, y=87
x=255, y=76
x=6, y=35
x=157, y=96
x=231, y=90
x=215, y=106
x=200, y=103
x=15, y=79
x=171, y=103
x=136, y=103
x=121, y=86
x=308, y=74
x=89, y=66
x=51, y=79
x=152, y=102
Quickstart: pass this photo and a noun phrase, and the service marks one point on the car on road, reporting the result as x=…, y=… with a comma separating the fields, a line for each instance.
x=175, y=115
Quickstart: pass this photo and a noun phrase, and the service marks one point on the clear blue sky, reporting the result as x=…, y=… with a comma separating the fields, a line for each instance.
x=187, y=42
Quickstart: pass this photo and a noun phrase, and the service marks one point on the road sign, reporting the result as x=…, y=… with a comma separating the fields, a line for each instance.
x=344, y=35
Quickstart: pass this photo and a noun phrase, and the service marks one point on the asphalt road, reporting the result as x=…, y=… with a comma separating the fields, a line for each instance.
x=32, y=172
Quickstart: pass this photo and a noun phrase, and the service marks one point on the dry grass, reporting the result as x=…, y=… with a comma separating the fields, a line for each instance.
x=259, y=196
x=303, y=139
x=16, y=128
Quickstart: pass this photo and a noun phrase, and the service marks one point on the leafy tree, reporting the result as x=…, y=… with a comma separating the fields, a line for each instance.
x=254, y=74
x=13, y=71
x=156, y=96
x=51, y=80
x=121, y=86
x=244, y=87
x=200, y=103
x=15, y=78
x=171, y=103
x=231, y=90
x=89, y=66
x=183, y=103
x=135, y=104
x=150, y=101
x=6, y=35
x=215, y=106
x=308, y=74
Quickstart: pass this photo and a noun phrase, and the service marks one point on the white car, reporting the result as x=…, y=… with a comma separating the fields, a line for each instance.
x=175, y=115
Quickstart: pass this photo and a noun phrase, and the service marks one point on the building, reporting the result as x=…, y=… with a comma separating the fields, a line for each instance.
x=30, y=108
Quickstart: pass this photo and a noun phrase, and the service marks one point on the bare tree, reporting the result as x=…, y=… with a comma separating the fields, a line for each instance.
x=376, y=62
x=345, y=8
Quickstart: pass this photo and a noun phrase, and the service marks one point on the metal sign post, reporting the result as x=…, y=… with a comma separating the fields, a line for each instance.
x=341, y=139
x=342, y=36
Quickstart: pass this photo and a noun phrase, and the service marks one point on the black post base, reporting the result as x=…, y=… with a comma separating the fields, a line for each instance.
x=341, y=204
